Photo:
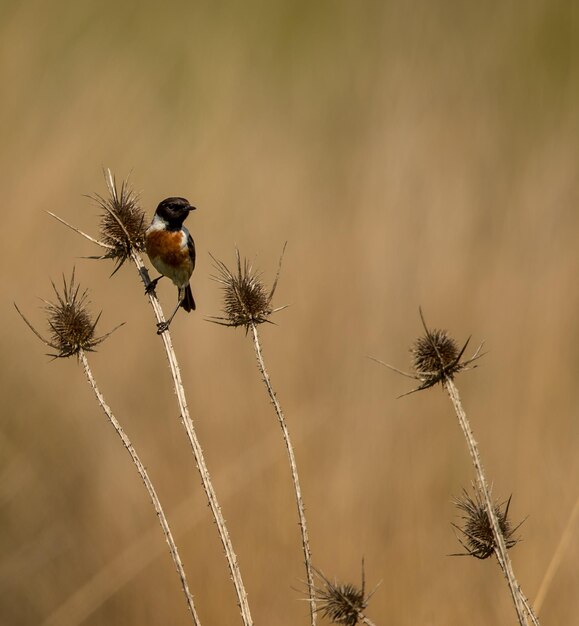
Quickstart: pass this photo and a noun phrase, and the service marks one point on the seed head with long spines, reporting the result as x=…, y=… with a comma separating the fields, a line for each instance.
x=435, y=354
x=246, y=301
x=477, y=528
x=72, y=327
x=436, y=358
x=342, y=603
x=123, y=223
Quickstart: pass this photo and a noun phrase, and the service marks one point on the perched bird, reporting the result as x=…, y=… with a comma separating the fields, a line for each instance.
x=172, y=251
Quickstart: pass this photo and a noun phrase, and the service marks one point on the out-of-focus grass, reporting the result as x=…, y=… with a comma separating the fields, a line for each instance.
x=409, y=154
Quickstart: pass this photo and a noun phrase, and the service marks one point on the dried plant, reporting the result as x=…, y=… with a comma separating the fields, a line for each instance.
x=477, y=528
x=247, y=303
x=73, y=334
x=343, y=603
x=72, y=328
x=124, y=243
x=437, y=359
x=436, y=355
x=123, y=222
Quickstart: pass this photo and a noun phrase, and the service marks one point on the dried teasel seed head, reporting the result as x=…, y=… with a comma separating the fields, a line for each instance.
x=341, y=603
x=72, y=327
x=246, y=301
x=479, y=540
x=436, y=358
x=123, y=223
x=434, y=353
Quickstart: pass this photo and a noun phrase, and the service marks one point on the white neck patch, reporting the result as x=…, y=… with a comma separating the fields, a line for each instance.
x=158, y=223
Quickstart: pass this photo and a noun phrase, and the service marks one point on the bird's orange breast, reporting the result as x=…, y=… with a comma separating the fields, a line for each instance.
x=168, y=246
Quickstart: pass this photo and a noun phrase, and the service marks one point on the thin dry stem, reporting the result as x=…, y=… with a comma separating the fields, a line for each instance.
x=294, y=471
x=196, y=448
x=138, y=553
x=148, y=484
x=186, y=420
x=528, y=607
x=102, y=244
x=501, y=552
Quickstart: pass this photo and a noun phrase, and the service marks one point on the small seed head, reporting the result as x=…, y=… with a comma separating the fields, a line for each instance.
x=477, y=529
x=246, y=301
x=434, y=352
x=72, y=327
x=341, y=604
x=122, y=224
x=435, y=356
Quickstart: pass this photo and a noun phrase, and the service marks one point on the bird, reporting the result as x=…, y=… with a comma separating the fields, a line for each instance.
x=171, y=250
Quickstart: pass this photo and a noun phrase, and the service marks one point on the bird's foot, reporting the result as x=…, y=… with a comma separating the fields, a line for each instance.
x=151, y=286
x=162, y=327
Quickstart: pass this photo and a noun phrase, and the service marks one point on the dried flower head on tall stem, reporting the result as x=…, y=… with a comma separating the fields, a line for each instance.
x=247, y=303
x=246, y=299
x=343, y=604
x=479, y=540
x=437, y=359
x=73, y=334
x=123, y=222
x=127, y=242
x=72, y=328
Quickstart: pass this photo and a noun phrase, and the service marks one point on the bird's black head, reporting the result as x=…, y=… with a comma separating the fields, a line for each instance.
x=174, y=211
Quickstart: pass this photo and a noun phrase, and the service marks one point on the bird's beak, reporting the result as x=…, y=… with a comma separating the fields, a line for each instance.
x=191, y=208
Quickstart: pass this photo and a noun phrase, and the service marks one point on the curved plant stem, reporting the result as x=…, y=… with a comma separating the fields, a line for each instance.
x=294, y=471
x=180, y=393
x=148, y=484
x=530, y=611
x=197, y=450
x=521, y=604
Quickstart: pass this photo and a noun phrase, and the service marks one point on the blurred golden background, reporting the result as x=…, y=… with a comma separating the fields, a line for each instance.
x=410, y=154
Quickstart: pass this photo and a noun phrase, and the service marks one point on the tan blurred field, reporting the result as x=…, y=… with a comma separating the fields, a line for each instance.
x=410, y=154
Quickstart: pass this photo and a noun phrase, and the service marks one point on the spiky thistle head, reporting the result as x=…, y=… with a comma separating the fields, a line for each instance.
x=123, y=224
x=436, y=358
x=435, y=355
x=479, y=540
x=342, y=603
x=246, y=301
x=72, y=328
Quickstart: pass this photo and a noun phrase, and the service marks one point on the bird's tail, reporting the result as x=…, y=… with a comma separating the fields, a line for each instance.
x=188, y=302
